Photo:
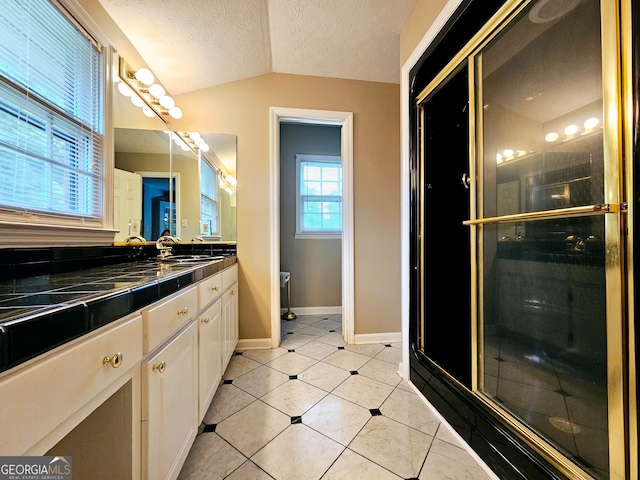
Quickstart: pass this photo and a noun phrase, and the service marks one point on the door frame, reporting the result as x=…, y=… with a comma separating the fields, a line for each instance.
x=313, y=117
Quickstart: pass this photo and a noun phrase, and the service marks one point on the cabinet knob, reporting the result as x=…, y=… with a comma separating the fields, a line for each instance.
x=233, y=292
x=115, y=360
x=159, y=366
x=183, y=311
x=214, y=289
x=206, y=320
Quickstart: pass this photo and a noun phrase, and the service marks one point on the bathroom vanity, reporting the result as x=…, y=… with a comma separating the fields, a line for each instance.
x=118, y=373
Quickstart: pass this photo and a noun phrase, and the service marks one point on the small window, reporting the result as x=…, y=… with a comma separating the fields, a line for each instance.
x=209, y=200
x=51, y=116
x=319, y=196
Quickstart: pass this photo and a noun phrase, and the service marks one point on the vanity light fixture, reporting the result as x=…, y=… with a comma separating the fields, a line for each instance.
x=151, y=94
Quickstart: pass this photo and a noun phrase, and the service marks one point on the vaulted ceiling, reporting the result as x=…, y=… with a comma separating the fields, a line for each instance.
x=194, y=44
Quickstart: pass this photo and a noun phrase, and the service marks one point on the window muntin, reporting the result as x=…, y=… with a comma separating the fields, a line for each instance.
x=51, y=114
x=319, y=196
x=209, y=200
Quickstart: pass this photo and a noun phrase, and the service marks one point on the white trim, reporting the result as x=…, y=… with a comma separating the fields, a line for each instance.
x=405, y=185
x=296, y=115
x=314, y=310
x=253, y=344
x=389, y=337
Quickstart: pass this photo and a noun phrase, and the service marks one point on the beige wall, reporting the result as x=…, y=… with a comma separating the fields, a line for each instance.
x=242, y=108
x=424, y=14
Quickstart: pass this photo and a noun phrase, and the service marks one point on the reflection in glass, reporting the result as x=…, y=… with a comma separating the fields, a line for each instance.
x=544, y=316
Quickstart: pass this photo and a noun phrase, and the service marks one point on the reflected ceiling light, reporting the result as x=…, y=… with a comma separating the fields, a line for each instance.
x=137, y=101
x=508, y=152
x=144, y=76
x=195, y=136
x=591, y=122
x=498, y=158
x=167, y=102
x=230, y=180
x=204, y=147
x=175, y=112
x=157, y=91
x=146, y=109
x=571, y=130
x=551, y=137
x=125, y=89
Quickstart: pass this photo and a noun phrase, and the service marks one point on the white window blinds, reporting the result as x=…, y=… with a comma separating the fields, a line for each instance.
x=209, y=200
x=51, y=120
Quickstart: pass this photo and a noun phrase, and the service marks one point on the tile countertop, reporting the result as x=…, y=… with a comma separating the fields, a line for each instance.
x=42, y=312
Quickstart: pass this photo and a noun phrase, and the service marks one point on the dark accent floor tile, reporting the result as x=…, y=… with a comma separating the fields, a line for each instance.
x=354, y=372
x=375, y=412
x=291, y=350
x=563, y=393
x=293, y=377
x=340, y=348
x=209, y=428
x=296, y=419
x=227, y=382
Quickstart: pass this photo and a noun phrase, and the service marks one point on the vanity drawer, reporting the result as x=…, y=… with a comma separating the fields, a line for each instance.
x=39, y=397
x=209, y=290
x=161, y=321
x=229, y=277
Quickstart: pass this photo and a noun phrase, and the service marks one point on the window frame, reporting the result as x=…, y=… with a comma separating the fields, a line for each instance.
x=29, y=228
x=316, y=234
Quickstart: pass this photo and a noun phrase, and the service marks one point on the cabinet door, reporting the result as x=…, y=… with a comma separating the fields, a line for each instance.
x=170, y=405
x=229, y=332
x=210, y=356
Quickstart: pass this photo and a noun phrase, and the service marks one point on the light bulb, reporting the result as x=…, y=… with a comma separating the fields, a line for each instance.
x=591, y=122
x=167, y=102
x=157, y=91
x=551, y=137
x=204, y=147
x=175, y=112
x=194, y=135
x=137, y=101
x=125, y=89
x=231, y=180
x=147, y=111
x=144, y=76
x=571, y=130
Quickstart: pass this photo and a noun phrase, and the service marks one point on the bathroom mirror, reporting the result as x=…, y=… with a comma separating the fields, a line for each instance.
x=146, y=201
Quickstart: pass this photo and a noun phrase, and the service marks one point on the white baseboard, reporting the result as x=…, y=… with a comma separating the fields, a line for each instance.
x=253, y=343
x=389, y=337
x=314, y=310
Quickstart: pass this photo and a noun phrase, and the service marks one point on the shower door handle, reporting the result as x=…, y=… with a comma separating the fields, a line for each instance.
x=466, y=180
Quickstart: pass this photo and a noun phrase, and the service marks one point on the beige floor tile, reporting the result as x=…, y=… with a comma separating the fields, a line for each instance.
x=239, y=365
x=299, y=453
x=210, y=458
x=264, y=355
x=391, y=355
x=324, y=376
x=260, y=380
x=363, y=391
x=350, y=465
x=384, y=372
x=248, y=471
x=408, y=409
x=317, y=350
x=254, y=426
x=337, y=418
x=448, y=462
x=227, y=401
x=348, y=360
x=294, y=398
x=370, y=349
x=333, y=338
x=393, y=445
x=292, y=363
x=296, y=341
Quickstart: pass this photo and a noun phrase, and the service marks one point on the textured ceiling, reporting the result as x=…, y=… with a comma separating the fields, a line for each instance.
x=194, y=44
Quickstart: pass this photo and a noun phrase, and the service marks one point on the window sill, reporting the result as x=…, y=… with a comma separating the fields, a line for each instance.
x=317, y=235
x=20, y=235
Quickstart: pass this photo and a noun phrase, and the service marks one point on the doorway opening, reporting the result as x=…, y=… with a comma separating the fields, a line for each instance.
x=313, y=117
x=159, y=205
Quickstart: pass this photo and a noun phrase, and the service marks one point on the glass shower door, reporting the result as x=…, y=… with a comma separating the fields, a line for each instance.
x=544, y=231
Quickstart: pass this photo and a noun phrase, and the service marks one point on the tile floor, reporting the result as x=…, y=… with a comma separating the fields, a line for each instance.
x=316, y=408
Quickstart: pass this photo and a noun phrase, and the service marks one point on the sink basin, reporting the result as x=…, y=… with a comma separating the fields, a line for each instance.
x=188, y=258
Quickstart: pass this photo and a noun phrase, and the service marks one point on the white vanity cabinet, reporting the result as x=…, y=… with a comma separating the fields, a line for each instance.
x=170, y=405
x=230, y=330
x=210, y=356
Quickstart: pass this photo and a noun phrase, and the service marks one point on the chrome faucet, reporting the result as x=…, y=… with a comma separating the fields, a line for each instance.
x=164, y=250
x=135, y=238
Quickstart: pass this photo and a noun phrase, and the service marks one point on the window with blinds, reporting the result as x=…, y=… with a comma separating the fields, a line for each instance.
x=319, y=196
x=51, y=114
x=209, y=200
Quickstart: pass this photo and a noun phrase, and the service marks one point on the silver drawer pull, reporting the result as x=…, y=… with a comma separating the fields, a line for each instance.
x=183, y=311
x=115, y=360
x=159, y=366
